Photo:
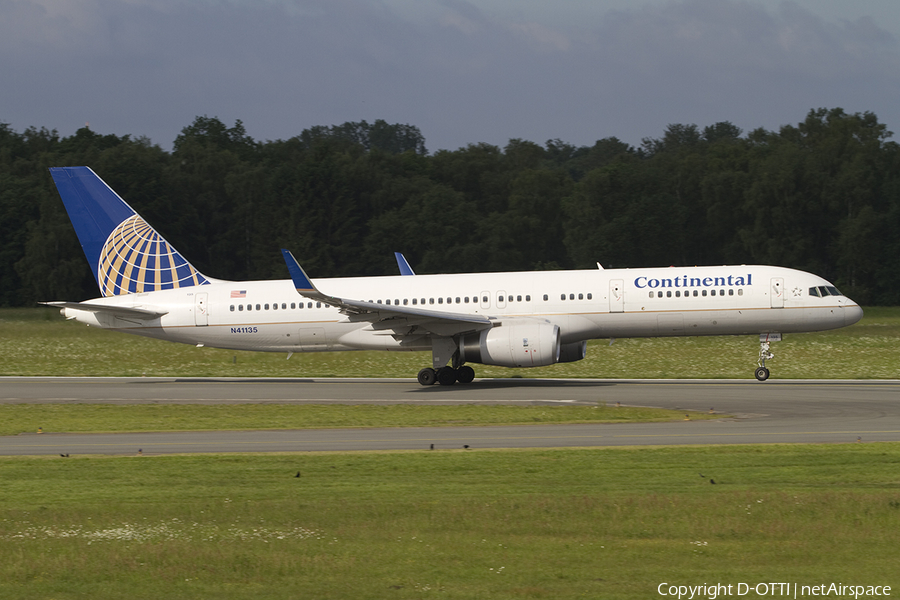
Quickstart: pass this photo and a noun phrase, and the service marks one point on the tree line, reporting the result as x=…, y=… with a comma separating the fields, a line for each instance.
x=821, y=196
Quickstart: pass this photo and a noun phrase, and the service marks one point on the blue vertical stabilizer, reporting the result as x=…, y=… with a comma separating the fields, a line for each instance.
x=126, y=255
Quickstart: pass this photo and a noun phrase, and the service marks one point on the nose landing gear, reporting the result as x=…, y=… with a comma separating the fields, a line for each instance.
x=762, y=373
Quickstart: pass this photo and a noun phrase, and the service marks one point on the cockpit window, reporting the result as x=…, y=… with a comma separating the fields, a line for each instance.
x=824, y=290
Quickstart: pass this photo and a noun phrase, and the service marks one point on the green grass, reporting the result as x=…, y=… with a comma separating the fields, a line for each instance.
x=569, y=523
x=22, y=418
x=38, y=342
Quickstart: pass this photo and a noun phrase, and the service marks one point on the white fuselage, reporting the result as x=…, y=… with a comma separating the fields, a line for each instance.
x=589, y=304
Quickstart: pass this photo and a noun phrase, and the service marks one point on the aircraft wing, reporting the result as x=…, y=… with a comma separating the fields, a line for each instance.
x=401, y=319
x=124, y=312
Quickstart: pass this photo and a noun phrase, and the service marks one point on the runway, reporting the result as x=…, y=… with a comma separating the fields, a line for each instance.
x=782, y=411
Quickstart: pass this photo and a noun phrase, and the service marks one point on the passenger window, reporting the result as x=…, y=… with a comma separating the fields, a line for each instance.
x=440, y=300
x=518, y=298
x=275, y=306
x=651, y=294
x=712, y=292
x=571, y=296
x=678, y=293
x=581, y=296
x=294, y=305
x=466, y=299
x=546, y=297
x=405, y=301
x=415, y=301
x=431, y=301
x=731, y=292
x=232, y=308
x=240, y=308
x=318, y=305
x=659, y=294
x=590, y=296
x=668, y=293
x=267, y=307
x=740, y=292
x=457, y=299
x=422, y=301
x=528, y=298
x=695, y=293
x=257, y=306
x=704, y=293
x=562, y=296
x=484, y=299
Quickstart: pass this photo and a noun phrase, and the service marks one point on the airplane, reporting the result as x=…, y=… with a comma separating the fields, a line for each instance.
x=515, y=319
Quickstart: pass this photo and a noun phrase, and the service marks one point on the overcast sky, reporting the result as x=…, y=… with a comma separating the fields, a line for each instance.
x=463, y=72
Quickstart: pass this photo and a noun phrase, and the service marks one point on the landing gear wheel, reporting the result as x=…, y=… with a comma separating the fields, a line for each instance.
x=465, y=374
x=427, y=376
x=446, y=375
x=762, y=373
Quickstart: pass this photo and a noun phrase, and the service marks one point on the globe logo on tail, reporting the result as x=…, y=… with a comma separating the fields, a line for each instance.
x=136, y=259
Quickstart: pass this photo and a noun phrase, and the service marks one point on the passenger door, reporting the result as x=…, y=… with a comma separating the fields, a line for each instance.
x=776, y=291
x=617, y=295
x=201, y=309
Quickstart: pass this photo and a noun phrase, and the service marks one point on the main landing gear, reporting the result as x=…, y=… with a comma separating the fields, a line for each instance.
x=762, y=373
x=446, y=375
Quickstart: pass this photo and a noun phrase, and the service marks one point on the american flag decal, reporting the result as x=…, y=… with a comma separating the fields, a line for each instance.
x=238, y=293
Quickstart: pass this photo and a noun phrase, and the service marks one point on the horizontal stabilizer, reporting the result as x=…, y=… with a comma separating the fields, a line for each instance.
x=124, y=312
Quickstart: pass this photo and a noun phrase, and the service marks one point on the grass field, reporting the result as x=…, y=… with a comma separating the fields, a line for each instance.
x=568, y=523
x=39, y=342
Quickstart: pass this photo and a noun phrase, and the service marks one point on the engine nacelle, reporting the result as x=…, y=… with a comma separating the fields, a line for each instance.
x=572, y=352
x=513, y=344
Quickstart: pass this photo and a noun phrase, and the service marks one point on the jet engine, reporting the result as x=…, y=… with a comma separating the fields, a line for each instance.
x=513, y=344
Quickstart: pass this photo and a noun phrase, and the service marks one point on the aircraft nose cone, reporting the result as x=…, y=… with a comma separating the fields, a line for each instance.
x=852, y=314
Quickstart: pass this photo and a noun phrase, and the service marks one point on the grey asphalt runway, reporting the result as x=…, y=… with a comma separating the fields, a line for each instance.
x=775, y=411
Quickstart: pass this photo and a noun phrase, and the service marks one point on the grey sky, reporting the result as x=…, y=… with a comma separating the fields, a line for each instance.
x=463, y=72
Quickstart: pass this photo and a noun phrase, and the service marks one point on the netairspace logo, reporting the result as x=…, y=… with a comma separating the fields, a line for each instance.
x=779, y=589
